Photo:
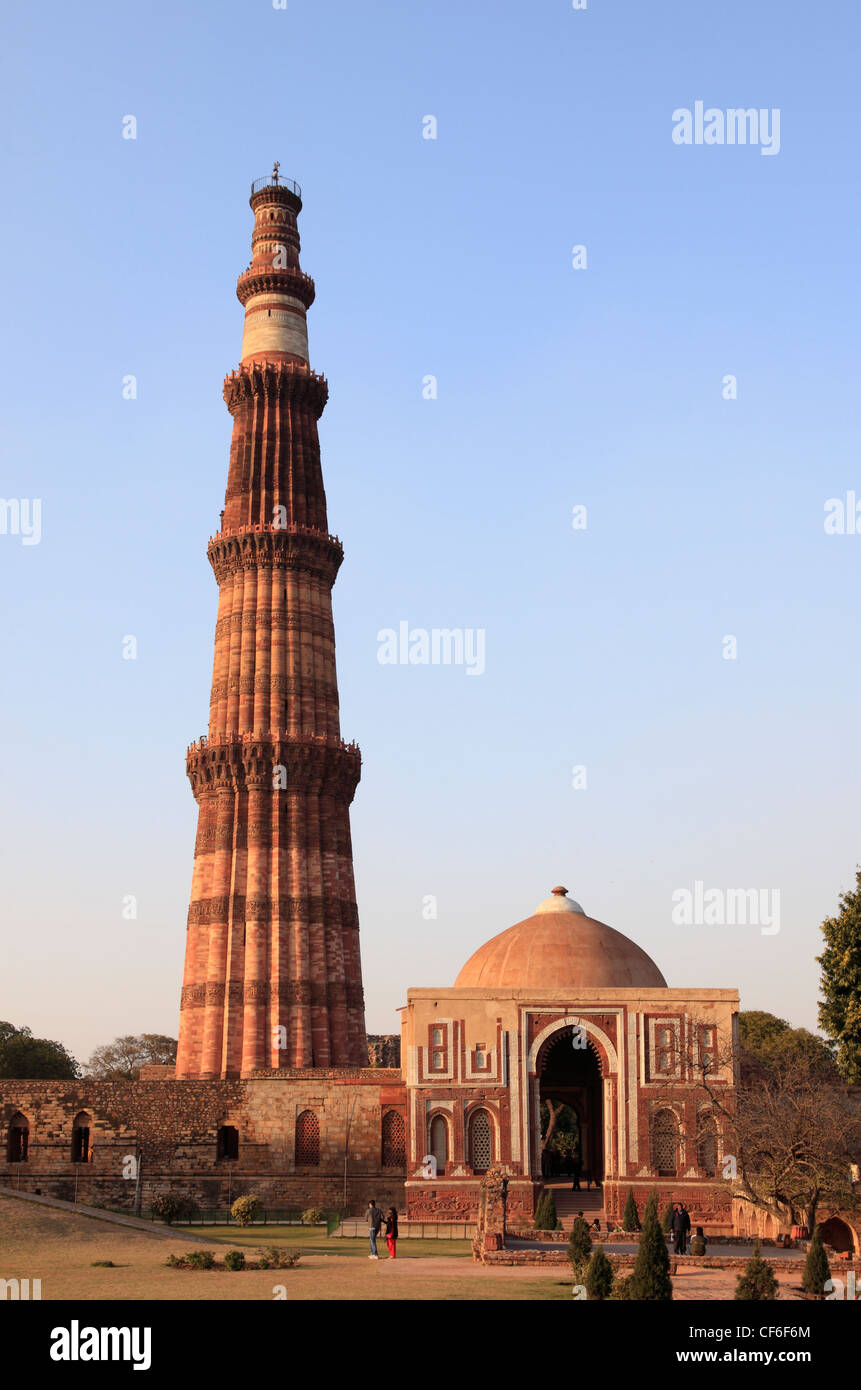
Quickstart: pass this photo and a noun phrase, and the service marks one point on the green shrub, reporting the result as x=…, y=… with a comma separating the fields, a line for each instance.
x=545, y=1218
x=245, y=1209
x=234, y=1259
x=169, y=1208
x=666, y=1219
x=580, y=1244
x=200, y=1259
x=599, y=1276
x=176, y=1262
x=630, y=1218
x=621, y=1290
x=313, y=1216
x=650, y=1281
x=757, y=1279
x=816, y=1270
x=102, y=1264
x=275, y=1257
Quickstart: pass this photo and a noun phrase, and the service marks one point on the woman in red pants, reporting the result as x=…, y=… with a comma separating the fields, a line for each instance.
x=392, y=1232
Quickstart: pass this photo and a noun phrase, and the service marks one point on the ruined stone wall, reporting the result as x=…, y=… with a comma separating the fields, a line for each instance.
x=174, y=1126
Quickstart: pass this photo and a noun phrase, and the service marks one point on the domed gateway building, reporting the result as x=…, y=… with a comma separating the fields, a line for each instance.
x=563, y=1016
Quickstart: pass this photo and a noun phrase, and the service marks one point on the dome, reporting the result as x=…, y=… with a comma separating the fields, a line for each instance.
x=559, y=947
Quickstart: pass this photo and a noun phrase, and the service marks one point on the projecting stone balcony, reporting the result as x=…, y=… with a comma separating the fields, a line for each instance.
x=264, y=544
x=267, y=279
x=274, y=761
x=293, y=380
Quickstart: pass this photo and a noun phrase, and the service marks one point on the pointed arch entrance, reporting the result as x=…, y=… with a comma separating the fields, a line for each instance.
x=570, y=1091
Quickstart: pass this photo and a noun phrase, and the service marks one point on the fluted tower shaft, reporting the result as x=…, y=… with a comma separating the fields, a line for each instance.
x=272, y=969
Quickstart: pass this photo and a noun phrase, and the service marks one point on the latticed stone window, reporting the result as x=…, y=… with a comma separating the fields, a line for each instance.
x=18, y=1141
x=394, y=1140
x=307, y=1140
x=707, y=1143
x=665, y=1142
x=480, y=1142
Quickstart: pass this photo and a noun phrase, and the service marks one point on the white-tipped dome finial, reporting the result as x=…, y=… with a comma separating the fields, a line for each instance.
x=559, y=902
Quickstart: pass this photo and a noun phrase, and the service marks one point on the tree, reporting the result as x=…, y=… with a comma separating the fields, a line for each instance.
x=580, y=1244
x=599, y=1276
x=26, y=1058
x=790, y=1126
x=122, y=1059
x=630, y=1218
x=650, y=1280
x=545, y=1218
x=840, y=983
x=816, y=1270
x=756, y=1280
x=768, y=1043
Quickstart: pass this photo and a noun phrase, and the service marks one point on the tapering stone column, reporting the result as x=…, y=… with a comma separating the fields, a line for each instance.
x=273, y=975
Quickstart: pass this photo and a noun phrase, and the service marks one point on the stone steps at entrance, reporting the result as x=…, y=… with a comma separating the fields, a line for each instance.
x=568, y=1203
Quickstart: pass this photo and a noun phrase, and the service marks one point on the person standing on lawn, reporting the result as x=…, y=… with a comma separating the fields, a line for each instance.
x=392, y=1232
x=375, y=1221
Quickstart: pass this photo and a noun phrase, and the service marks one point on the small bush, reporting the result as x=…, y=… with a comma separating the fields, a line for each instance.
x=313, y=1216
x=816, y=1270
x=599, y=1276
x=234, y=1259
x=630, y=1219
x=621, y=1290
x=666, y=1219
x=580, y=1244
x=274, y=1257
x=545, y=1218
x=245, y=1209
x=169, y=1208
x=176, y=1262
x=102, y=1264
x=650, y=1280
x=200, y=1259
x=757, y=1279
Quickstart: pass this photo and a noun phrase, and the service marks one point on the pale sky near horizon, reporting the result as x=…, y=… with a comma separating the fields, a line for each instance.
x=599, y=387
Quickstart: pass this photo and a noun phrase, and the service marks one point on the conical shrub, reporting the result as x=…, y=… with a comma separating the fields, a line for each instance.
x=816, y=1270
x=650, y=1281
x=630, y=1218
x=599, y=1276
x=756, y=1280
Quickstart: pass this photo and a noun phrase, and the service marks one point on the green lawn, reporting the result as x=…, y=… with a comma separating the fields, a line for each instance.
x=315, y=1242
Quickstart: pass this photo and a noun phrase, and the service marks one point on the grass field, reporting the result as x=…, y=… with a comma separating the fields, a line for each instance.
x=59, y=1248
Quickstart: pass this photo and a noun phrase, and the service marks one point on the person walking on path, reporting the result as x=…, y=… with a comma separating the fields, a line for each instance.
x=392, y=1232
x=375, y=1221
x=576, y=1169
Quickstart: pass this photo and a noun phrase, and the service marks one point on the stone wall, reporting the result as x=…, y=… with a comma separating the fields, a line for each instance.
x=174, y=1126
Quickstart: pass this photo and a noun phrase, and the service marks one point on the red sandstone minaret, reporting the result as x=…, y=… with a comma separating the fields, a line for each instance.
x=272, y=970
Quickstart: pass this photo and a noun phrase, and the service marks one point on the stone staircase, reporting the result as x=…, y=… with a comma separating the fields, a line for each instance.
x=590, y=1201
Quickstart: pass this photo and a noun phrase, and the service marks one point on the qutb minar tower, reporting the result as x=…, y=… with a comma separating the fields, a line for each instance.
x=272, y=970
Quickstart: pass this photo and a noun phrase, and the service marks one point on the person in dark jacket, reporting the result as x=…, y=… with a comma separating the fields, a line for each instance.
x=686, y=1228
x=392, y=1232
x=677, y=1228
x=375, y=1221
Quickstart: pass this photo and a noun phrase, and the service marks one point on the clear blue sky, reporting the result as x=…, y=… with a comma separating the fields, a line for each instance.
x=556, y=387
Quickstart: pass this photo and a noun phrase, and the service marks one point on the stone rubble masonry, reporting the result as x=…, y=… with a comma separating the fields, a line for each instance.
x=174, y=1125
x=273, y=975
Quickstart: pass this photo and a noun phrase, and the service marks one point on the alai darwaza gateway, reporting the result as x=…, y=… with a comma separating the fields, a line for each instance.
x=562, y=1010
